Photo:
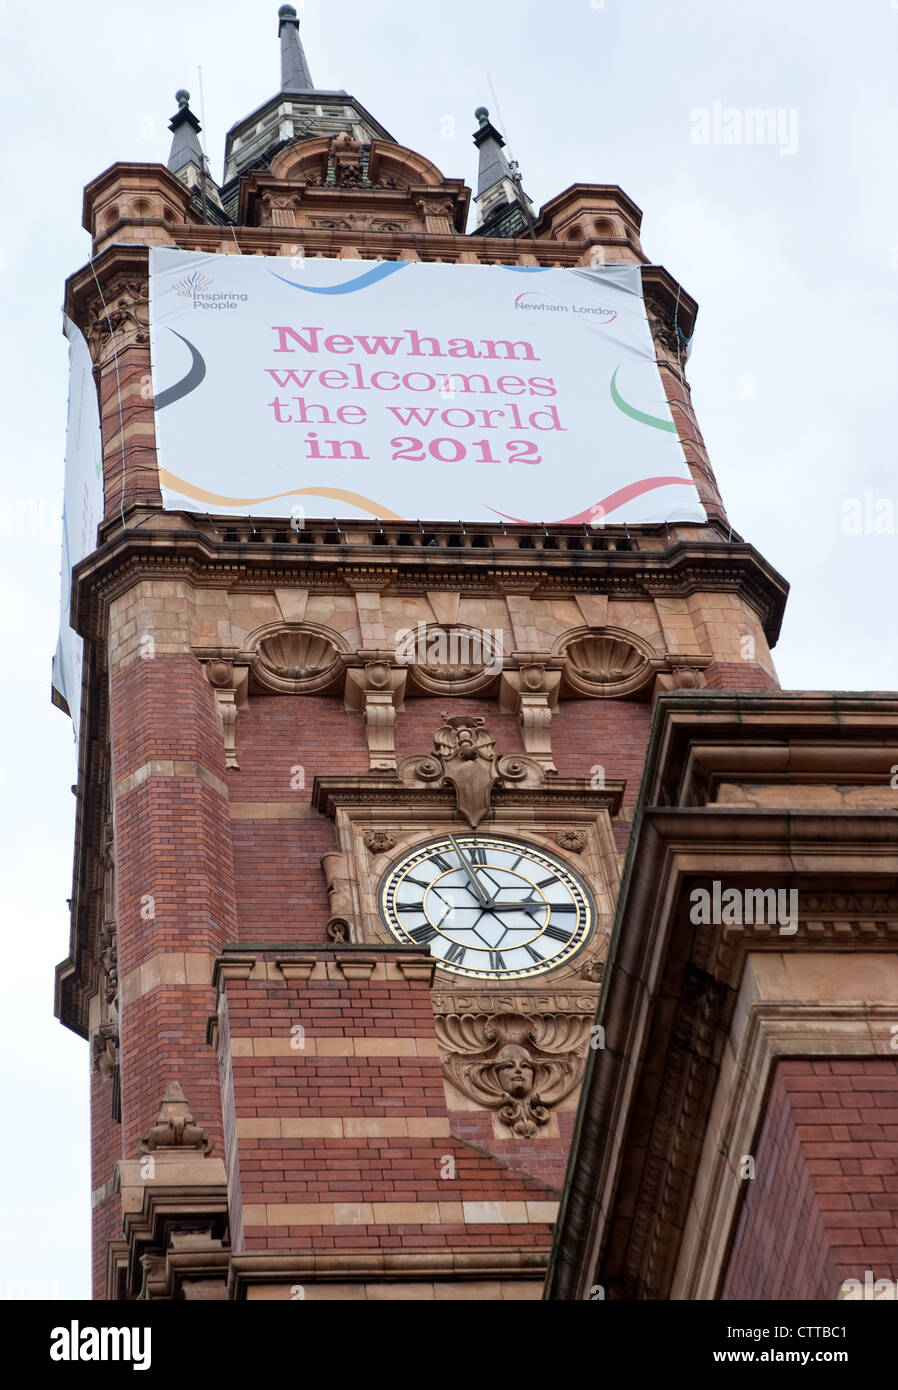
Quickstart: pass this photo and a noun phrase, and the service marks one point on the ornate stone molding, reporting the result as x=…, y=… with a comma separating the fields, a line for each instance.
x=174, y=1212
x=124, y=318
x=576, y=1001
x=593, y=970
x=104, y=1051
x=437, y=213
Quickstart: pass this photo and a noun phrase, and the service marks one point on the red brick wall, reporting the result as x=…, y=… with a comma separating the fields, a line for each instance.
x=542, y=1157
x=301, y=1084
x=106, y=1150
x=824, y=1205
x=281, y=893
x=738, y=675
x=131, y=373
x=174, y=884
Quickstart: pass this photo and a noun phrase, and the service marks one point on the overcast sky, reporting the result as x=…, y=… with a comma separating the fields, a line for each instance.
x=790, y=247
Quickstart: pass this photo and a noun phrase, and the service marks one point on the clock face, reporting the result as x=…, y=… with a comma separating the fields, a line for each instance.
x=487, y=908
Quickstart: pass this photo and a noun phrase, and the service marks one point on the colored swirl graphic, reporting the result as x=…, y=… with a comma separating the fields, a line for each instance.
x=361, y=282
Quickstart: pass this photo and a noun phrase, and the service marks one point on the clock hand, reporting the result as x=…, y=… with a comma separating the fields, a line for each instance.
x=472, y=877
x=514, y=907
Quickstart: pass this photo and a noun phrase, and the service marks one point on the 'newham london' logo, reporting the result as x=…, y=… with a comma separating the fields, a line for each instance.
x=536, y=302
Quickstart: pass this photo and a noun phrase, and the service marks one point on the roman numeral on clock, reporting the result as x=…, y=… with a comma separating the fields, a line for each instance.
x=559, y=933
x=423, y=935
x=477, y=855
x=497, y=960
x=456, y=954
x=442, y=864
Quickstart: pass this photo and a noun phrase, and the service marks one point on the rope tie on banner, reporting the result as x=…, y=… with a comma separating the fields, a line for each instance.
x=118, y=389
x=236, y=242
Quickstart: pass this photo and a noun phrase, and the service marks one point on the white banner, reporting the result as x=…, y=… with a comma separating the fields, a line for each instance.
x=407, y=390
x=82, y=509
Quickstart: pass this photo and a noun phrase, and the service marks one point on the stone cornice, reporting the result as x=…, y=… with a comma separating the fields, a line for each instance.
x=385, y=1266
x=562, y=794
x=193, y=555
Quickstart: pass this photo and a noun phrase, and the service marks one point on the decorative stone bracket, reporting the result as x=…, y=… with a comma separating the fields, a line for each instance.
x=377, y=690
x=341, y=925
x=530, y=692
x=685, y=673
x=229, y=683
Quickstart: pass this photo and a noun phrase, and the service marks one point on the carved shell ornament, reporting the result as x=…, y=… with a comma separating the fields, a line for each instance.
x=295, y=661
x=602, y=663
x=450, y=659
x=517, y=1065
x=298, y=655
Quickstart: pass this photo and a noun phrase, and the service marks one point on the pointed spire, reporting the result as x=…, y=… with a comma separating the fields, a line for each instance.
x=498, y=183
x=185, y=128
x=295, y=75
x=494, y=166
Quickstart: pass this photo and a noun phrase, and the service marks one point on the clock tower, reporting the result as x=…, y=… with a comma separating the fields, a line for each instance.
x=354, y=796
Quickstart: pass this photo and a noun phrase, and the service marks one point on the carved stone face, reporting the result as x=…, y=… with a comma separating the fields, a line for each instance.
x=515, y=1072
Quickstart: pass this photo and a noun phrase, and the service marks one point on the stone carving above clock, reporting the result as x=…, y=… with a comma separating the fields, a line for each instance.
x=464, y=757
x=517, y=1065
